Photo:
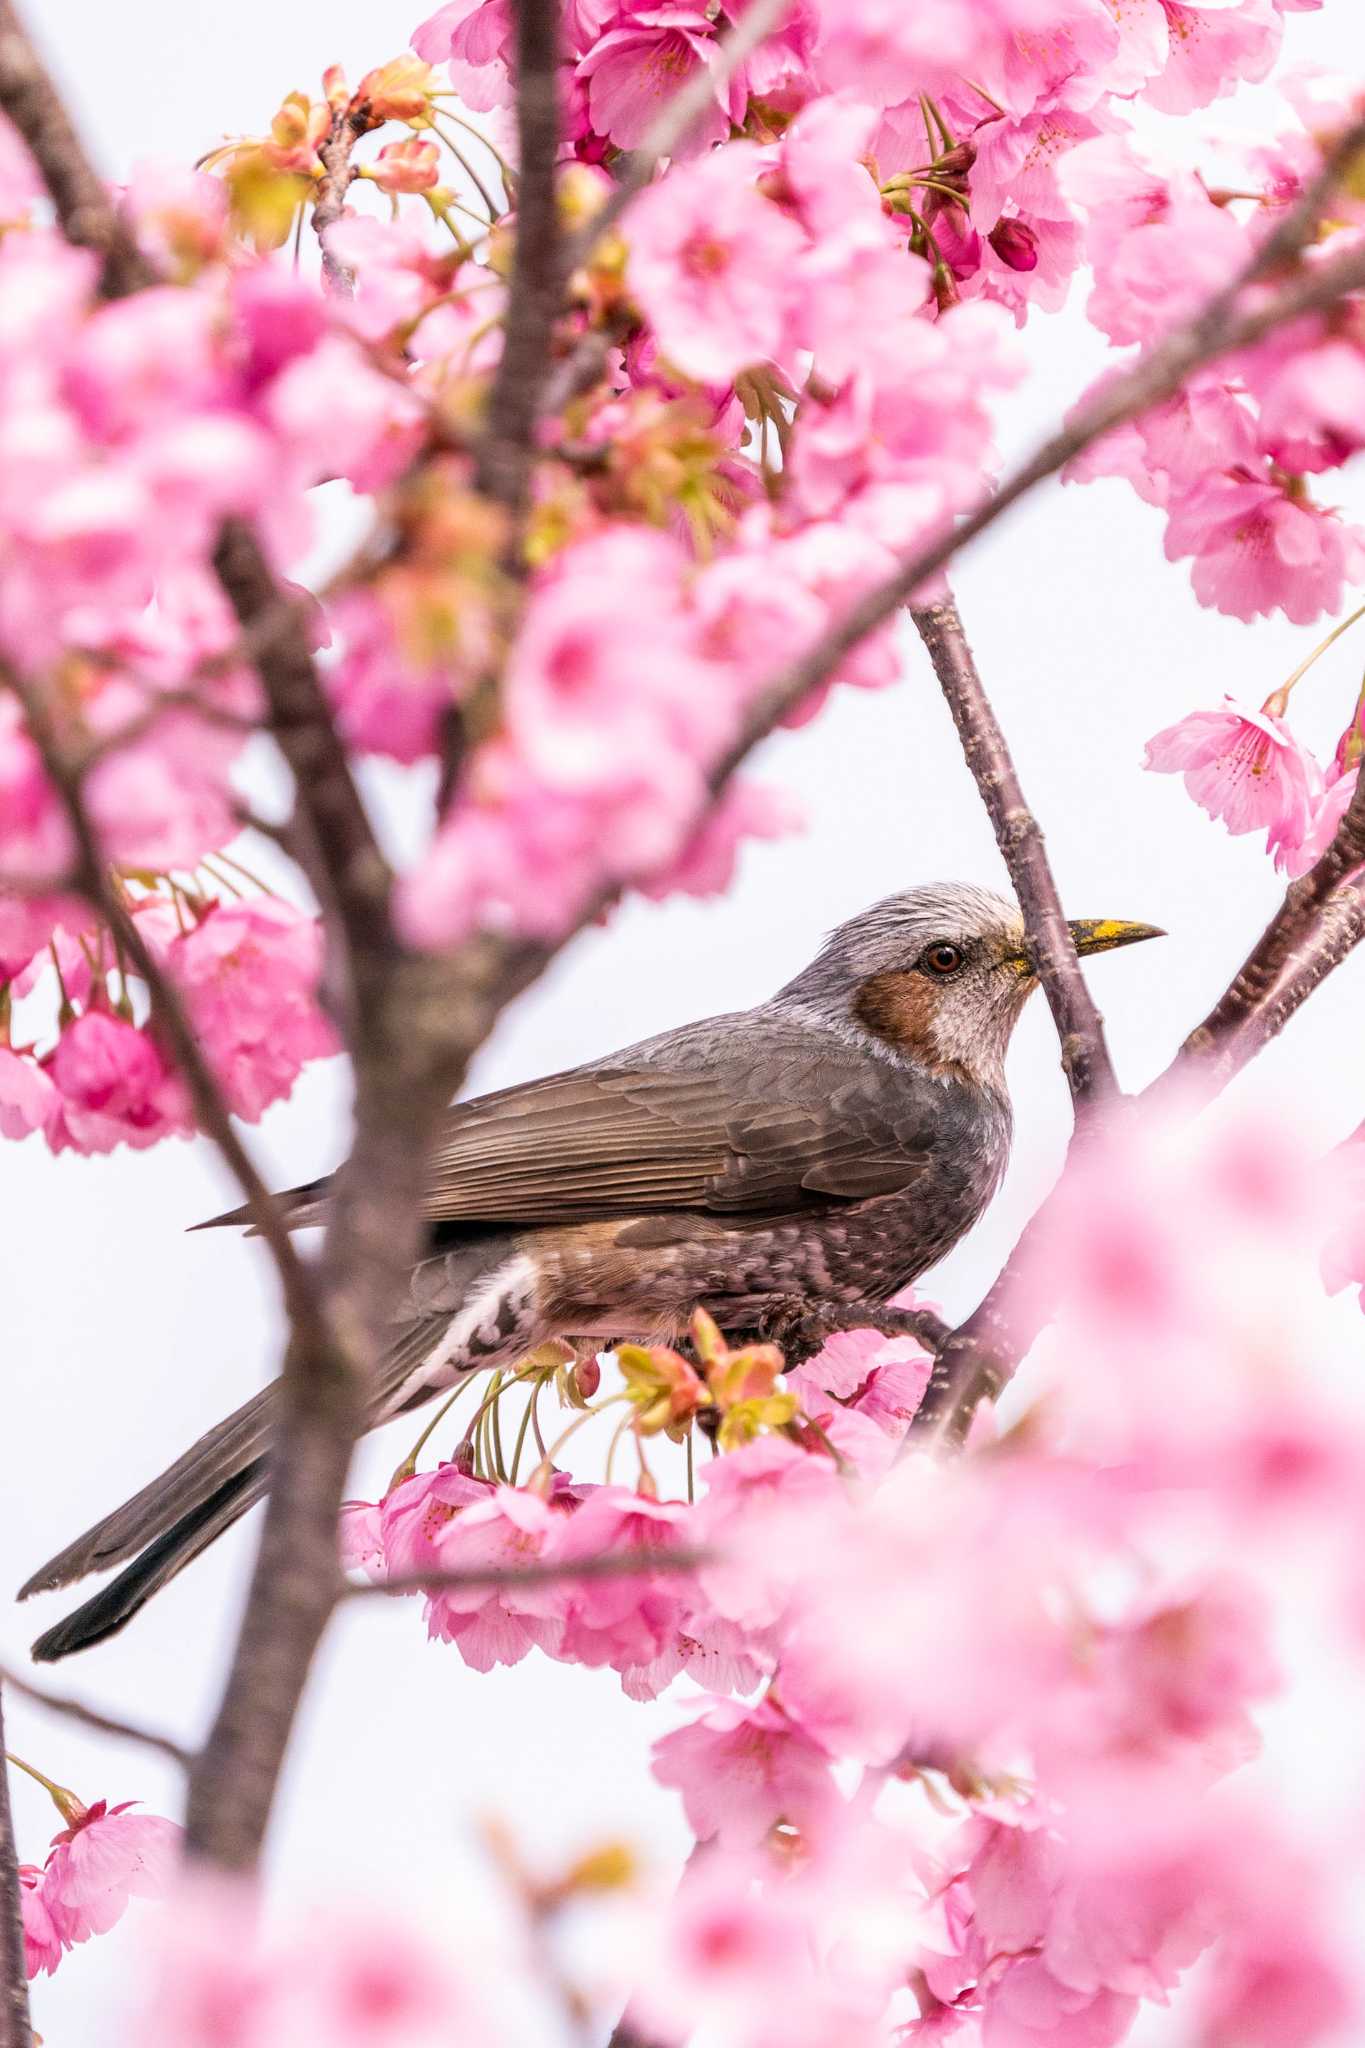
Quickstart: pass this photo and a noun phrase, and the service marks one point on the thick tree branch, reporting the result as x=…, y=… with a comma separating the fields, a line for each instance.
x=503, y=463
x=94, y=1717
x=1085, y=1056
x=16, y=2028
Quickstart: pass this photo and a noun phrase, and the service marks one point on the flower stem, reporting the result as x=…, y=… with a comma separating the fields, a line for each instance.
x=67, y=1804
x=1276, y=702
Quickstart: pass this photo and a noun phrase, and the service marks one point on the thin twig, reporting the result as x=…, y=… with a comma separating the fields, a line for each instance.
x=1152, y=380
x=335, y=837
x=91, y=878
x=96, y=1718
x=610, y=1565
x=16, y=2028
x=329, y=200
x=1085, y=1056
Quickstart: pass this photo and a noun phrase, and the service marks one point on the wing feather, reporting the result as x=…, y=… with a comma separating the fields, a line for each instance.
x=768, y=1119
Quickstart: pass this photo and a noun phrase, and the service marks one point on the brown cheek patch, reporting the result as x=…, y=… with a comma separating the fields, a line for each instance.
x=901, y=1009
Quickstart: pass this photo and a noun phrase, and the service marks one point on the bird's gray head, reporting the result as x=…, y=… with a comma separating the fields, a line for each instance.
x=938, y=974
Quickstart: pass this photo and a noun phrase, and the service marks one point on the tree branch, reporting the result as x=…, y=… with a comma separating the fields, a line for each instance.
x=502, y=469
x=341, y=855
x=329, y=198
x=16, y=2028
x=1246, y=1007
x=91, y=878
x=1155, y=378
x=29, y=97
x=1260, y=1001
x=94, y=1717
x=1085, y=1056
x=611, y=1564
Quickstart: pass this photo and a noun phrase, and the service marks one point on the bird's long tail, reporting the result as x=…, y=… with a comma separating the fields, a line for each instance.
x=165, y=1526
x=161, y=1528
x=476, y=1309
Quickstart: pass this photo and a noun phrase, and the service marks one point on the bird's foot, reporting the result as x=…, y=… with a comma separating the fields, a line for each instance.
x=800, y=1325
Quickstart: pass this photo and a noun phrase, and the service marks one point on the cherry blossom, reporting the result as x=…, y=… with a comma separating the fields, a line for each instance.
x=711, y=262
x=249, y=973
x=107, y=1857
x=1245, y=767
x=742, y=1769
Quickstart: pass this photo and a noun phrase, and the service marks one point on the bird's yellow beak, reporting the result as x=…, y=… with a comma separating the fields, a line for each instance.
x=1092, y=935
x=1102, y=934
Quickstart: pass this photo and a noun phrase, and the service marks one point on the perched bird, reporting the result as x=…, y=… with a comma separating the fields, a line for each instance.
x=828, y=1146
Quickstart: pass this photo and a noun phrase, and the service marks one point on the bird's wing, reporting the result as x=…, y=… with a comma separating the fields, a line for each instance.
x=765, y=1120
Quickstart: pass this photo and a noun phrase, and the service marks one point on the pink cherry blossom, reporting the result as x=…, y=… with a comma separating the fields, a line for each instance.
x=446, y=1521
x=706, y=865
x=34, y=842
x=28, y=1095
x=385, y=702
x=1328, y=812
x=1258, y=549
x=475, y=38
x=249, y=971
x=1213, y=47
x=741, y=1769
x=853, y=1365
x=106, y=1858
x=1245, y=767
x=630, y=1620
x=351, y=1977
x=711, y=262
x=43, y=1948
x=115, y=1088
x=632, y=70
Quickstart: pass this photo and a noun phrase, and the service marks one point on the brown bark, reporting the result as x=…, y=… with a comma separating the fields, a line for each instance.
x=16, y=2029
x=1080, y=1027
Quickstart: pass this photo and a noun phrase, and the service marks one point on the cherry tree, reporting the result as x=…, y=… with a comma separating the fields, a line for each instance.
x=717, y=307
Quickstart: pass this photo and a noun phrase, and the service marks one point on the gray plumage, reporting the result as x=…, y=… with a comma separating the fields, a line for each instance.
x=832, y=1144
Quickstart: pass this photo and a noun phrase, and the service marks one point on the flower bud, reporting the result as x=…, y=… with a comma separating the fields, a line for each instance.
x=397, y=91
x=297, y=129
x=1015, y=243
x=587, y=1378
x=408, y=166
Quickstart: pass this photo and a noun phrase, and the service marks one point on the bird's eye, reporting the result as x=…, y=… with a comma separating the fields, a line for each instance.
x=942, y=958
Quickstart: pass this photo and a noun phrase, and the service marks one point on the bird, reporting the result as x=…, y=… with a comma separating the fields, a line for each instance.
x=825, y=1149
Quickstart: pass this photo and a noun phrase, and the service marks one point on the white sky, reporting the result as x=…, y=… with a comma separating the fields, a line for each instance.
x=124, y=1338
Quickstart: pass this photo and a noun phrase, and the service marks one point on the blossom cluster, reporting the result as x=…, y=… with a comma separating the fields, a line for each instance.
x=975, y=1750
x=771, y=381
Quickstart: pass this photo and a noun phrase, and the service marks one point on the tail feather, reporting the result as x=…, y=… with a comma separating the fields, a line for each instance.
x=109, y=1610
x=298, y=1209
x=219, y=1455
x=186, y=1507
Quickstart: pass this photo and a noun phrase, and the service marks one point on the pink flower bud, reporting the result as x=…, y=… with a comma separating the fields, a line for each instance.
x=1015, y=243
x=409, y=166
x=587, y=1378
